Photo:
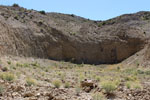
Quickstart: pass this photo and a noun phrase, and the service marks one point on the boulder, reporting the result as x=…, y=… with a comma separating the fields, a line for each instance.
x=88, y=85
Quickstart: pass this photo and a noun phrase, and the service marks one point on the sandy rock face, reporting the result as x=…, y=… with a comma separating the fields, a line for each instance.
x=63, y=37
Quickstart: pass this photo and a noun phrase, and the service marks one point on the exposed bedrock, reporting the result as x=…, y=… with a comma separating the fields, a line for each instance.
x=71, y=38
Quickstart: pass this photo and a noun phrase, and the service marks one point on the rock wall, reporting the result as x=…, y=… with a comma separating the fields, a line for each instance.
x=64, y=37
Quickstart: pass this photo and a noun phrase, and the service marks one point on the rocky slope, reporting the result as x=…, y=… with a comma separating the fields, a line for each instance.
x=42, y=79
x=57, y=36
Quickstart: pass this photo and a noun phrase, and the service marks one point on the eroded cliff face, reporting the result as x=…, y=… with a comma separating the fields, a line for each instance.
x=68, y=37
x=105, y=49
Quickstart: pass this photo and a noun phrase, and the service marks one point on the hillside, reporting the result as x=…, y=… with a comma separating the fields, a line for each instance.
x=54, y=56
x=58, y=36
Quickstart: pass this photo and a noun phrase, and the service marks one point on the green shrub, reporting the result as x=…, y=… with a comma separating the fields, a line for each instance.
x=109, y=87
x=98, y=78
x=67, y=85
x=15, y=5
x=137, y=64
x=133, y=85
x=78, y=90
x=9, y=62
x=1, y=89
x=30, y=81
x=137, y=86
x=57, y=83
x=62, y=76
x=35, y=64
x=42, y=12
x=19, y=65
x=81, y=65
x=130, y=71
x=4, y=69
x=131, y=78
x=146, y=16
x=16, y=17
x=128, y=85
x=7, y=76
x=101, y=24
x=147, y=72
x=140, y=71
x=72, y=15
x=73, y=33
x=26, y=65
x=118, y=68
x=13, y=66
x=117, y=82
x=46, y=70
x=98, y=96
x=81, y=77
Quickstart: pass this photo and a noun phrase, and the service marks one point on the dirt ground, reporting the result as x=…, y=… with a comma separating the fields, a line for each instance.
x=43, y=79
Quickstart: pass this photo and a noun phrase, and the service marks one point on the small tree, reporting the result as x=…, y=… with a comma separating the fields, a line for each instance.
x=15, y=5
x=72, y=15
x=42, y=12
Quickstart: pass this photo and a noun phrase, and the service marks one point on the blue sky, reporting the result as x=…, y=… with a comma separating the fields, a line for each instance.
x=92, y=9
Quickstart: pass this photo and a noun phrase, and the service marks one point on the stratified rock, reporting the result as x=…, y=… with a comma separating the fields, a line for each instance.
x=71, y=38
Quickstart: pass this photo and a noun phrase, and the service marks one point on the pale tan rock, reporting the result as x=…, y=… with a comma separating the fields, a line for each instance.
x=16, y=94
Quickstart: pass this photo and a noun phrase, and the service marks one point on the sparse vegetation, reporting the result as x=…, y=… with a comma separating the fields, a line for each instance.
x=15, y=5
x=9, y=62
x=42, y=12
x=78, y=90
x=128, y=85
x=19, y=65
x=26, y=65
x=147, y=72
x=12, y=66
x=7, y=76
x=57, y=83
x=101, y=24
x=137, y=86
x=30, y=81
x=107, y=78
x=72, y=15
x=74, y=39
x=146, y=16
x=1, y=89
x=35, y=64
x=109, y=87
x=5, y=69
x=67, y=85
x=73, y=33
x=98, y=78
x=108, y=22
x=133, y=85
x=16, y=17
x=98, y=96
x=131, y=78
x=40, y=23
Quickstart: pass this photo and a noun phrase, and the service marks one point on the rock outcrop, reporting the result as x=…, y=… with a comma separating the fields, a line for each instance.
x=71, y=38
